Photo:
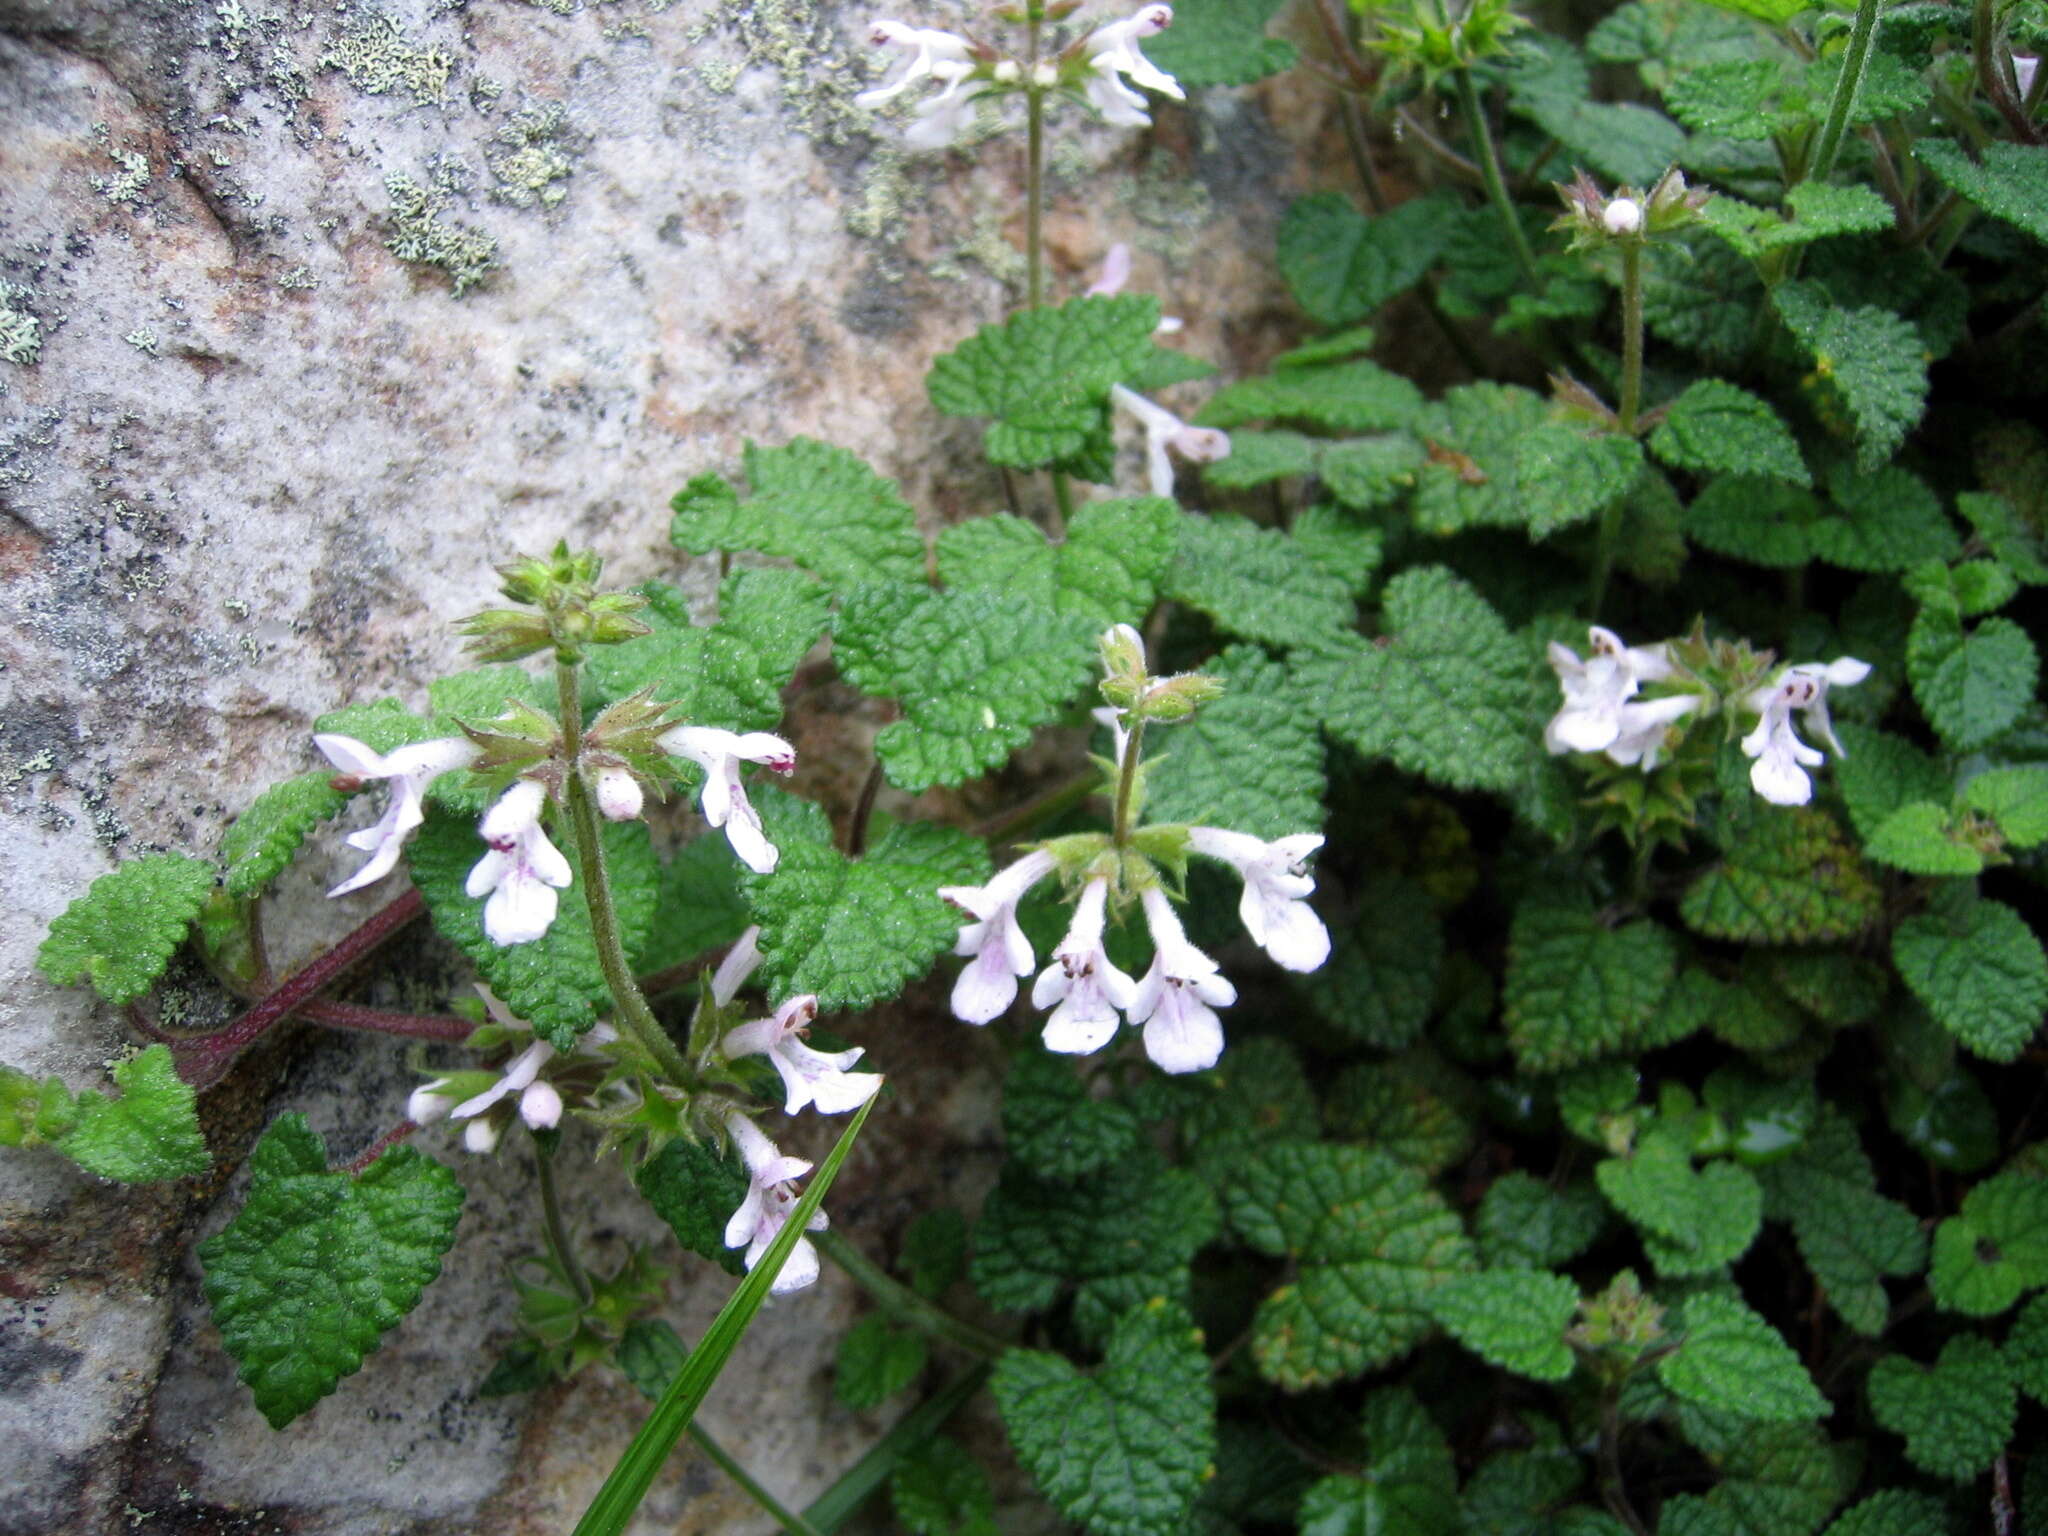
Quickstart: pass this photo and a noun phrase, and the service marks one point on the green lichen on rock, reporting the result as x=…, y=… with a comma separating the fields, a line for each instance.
x=801, y=43
x=21, y=333
x=528, y=160
x=378, y=57
x=134, y=176
x=419, y=233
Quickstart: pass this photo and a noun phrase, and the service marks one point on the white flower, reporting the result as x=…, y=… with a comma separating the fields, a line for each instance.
x=538, y=1102
x=618, y=794
x=410, y=770
x=1642, y=727
x=1116, y=271
x=723, y=798
x=2023, y=67
x=522, y=871
x=1274, y=907
x=1595, y=689
x=770, y=1199
x=1779, y=772
x=938, y=121
x=999, y=949
x=1177, y=1000
x=739, y=963
x=931, y=53
x=1164, y=430
x=1624, y=216
x=1081, y=979
x=1112, y=52
x=811, y=1077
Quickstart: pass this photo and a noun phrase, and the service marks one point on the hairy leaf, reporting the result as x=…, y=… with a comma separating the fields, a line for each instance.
x=1979, y=970
x=812, y=503
x=121, y=933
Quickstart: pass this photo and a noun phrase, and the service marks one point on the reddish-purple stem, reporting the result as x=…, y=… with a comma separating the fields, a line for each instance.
x=414, y=1026
x=380, y=1146
x=202, y=1061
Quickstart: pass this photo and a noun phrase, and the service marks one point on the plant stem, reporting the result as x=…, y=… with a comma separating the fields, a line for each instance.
x=904, y=1304
x=1062, y=504
x=1004, y=826
x=863, y=810
x=783, y=1516
x=836, y=1505
x=1612, y=1489
x=379, y=1147
x=1489, y=171
x=632, y=1008
x=202, y=1061
x=411, y=1026
x=1631, y=334
x=1034, y=167
x=1855, y=61
x=1126, y=784
x=555, y=1231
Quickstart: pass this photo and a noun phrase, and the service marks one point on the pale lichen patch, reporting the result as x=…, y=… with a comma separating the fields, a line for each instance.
x=528, y=159
x=378, y=57
x=21, y=333
x=134, y=174
x=419, y=233
x=143, y=339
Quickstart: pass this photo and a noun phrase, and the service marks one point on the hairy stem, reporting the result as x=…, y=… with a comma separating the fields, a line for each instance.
x=1126, y=785
x=379, y=1147
x=1034, y=167
x=1855, y=61
x=554, y=1230
x=410, y=1026
x=1994, y=72
x=202, y=1061
x=1612, y=1489
x=904, y=1304
x=1631, y=334
x=1489, y=172
x=863, y=811
x=631, y=1007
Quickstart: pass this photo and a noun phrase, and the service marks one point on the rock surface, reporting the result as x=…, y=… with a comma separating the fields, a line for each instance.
x=310, y=313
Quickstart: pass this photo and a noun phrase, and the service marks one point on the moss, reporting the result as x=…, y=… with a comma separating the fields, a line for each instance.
x=419, y=233
x=378, y=57
x=528, y=161
x=21, y=333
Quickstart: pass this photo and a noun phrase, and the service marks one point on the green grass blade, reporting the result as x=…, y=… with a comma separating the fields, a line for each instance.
x=630, y=1479
x=836, y=1505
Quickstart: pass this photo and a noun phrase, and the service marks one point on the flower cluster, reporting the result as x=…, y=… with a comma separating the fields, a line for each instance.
x=819, y=1079
x=1101, y=68
x=1602, y=712
x=522, y=871
x=1175, y=1001
x=489, y=1103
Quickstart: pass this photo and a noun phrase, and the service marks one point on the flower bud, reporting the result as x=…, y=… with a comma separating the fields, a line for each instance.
x=1624, y=216
x=618, y=794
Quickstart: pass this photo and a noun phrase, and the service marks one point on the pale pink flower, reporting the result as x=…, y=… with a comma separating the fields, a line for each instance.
x=410, y=770
x=769, y=1200
x=1113, y=57
x=723, y=798
x=1164, y=431
x=1088, y=989
x=998, y=949
x=1179, y=996
x=1779, y=772
x=810, y=1077
x=522, y=871
x=1275, y=905
x=1596, y=689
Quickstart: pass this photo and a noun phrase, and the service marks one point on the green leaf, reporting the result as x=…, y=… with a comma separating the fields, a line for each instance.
x=1742, y=99
x=1887, y=520
x=2009, y=181
x=2015, y=798
x=941, y=1490
x=812, y=503
x=1878, y=773
x=1790, y=877
x=695, y=1187
x=1366, y=473
x=1894, y=1512
x=2007, y=534
x=1511, y=1318
x=1045, y=375
x=974, y=672
x=1849, y=1235
x=150, y=1132
x=876, y=1361
x=1408, y=1486
x=34, y=1114
x=1819, y=210
x=1379, y=984
x=934, y=1251
x=1055, y=1127
x=1715, y=428
x=1732, y=1360
x=122, y=932
x=1371, y=1241
x=1972, y=685
x=1256, y=458
x=1995, y=1249
x=1472, y=477
x=1104, y=570
x=1763, y=522
x=1872, y=357
x=1220, y=42
x=700, y=907
x=1693, y=1220
x=2026, y=1349
x=1251, y=760
x=1343, y=264
x=1443, y=693
x=1356, y=396
x=1133, y=1234
x=1577, y=989
x=1921, y=839
x=1550, y=85
x=1978, y=968
x=1258, y=583
x=854, y=932
x=1525, y=1224
x=616, y=1502
x=554, y=983
x=1257, y=1094
x=1564, y=475
x=1957, y=1415
x=259, y=846
x=1341, y=543
x=1417, y=1108
x=319, y=1264
x=780, y=614
x=712, y=675
x=1122, y=1452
